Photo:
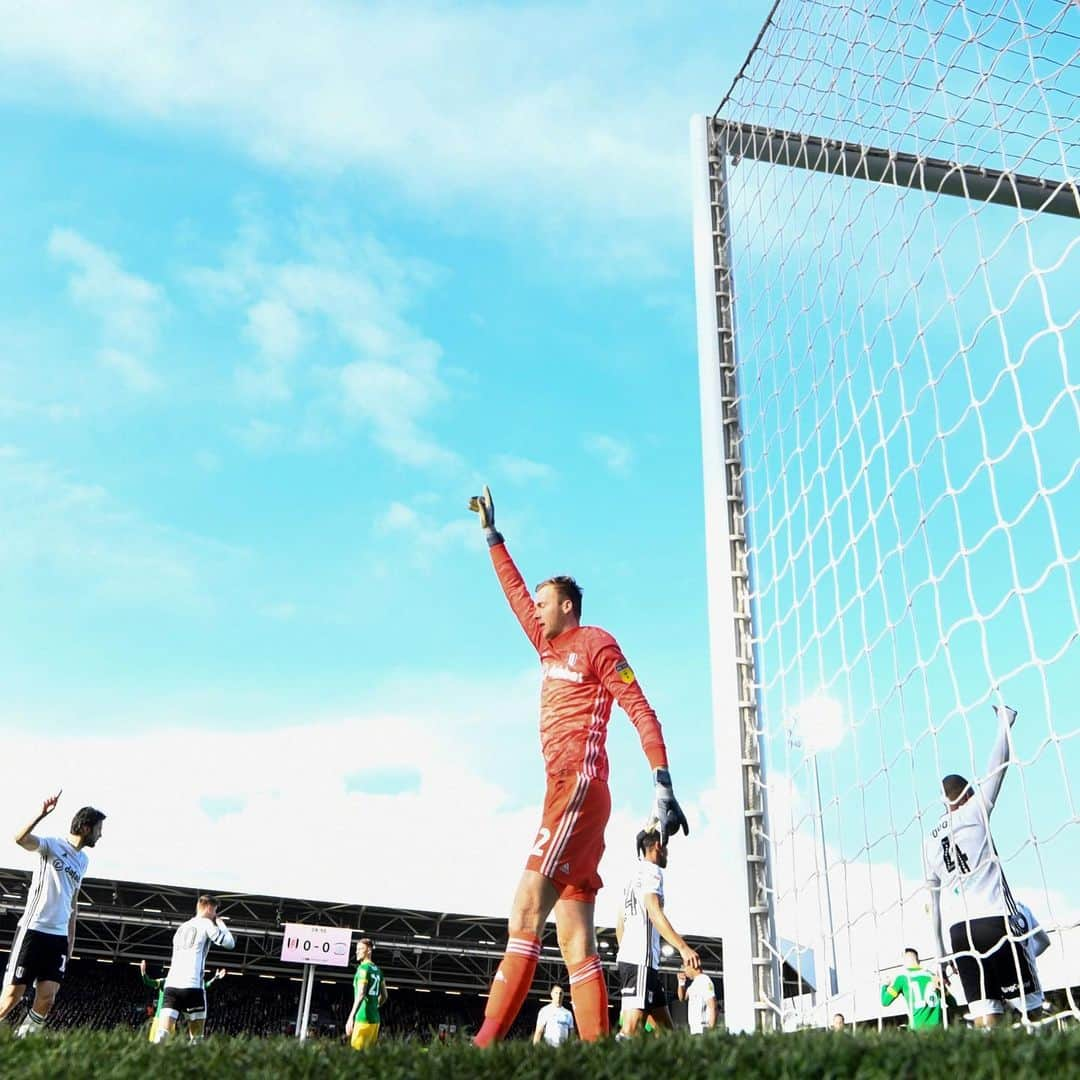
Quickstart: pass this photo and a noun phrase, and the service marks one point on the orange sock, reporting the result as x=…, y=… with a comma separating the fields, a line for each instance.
x=588, y=991
x=509, y=988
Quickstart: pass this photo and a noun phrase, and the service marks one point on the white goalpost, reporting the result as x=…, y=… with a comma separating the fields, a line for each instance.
x=887, y=259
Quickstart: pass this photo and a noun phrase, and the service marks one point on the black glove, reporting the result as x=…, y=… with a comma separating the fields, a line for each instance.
x=484, y=505
x=666, y=809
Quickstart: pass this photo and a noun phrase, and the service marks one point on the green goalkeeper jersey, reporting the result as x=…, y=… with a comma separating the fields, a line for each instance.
x=922, y=997
x=367, y=1012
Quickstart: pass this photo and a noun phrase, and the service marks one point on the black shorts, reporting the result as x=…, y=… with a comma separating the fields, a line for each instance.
x=640, y=988
x=36, y=957
x=992, y=968
x=189, y=1002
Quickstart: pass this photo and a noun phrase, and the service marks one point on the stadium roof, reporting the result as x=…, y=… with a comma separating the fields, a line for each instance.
x=127, y=920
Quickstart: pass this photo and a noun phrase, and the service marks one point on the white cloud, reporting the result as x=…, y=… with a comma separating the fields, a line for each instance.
x=522, y=470
x=79, y=534
x=615, y=454
x=128, y=307
x=348, y=295
x=274, y=327
x=555, y=108
x=131, y=370
x=259, y=436
x=426, y=535
x=394, y=400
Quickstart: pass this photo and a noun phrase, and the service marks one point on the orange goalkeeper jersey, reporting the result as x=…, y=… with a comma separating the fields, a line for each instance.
x=584, y=670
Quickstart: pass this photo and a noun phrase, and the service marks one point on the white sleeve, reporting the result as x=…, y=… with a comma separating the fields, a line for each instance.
x=990, y=787
x=650, y=878
x=46, y=846
x=219, y=934
x=934, y=884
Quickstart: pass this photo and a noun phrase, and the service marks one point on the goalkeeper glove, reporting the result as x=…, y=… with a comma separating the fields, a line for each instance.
x=666, y=808
x=484, y=505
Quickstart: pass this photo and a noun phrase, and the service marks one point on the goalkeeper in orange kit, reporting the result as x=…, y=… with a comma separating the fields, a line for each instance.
x=583, y=673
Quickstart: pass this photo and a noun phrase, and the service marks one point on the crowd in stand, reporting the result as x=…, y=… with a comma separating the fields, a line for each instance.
x=111, y=995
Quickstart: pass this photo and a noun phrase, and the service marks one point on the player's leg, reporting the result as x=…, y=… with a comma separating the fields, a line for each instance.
x=574, y=864
x=661, y=1019
x=533, y=901
x=575, y=922
x=972, y=943
x=11, y=995
x=44, y=999
x=364, y=1036
x=195, y=1011
x=633, y=979
x=166, y=1024
x=44, y=961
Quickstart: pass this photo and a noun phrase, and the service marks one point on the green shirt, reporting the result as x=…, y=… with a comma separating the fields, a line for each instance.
x=367, y=1012
x=923, y=999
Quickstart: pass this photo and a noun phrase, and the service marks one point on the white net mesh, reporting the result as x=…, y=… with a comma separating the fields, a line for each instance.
x=909, y=396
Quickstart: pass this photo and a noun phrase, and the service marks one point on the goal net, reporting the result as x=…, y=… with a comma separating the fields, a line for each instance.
x=893, y=306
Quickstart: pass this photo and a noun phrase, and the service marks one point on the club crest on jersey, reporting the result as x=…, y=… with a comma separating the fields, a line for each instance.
x=625, y=672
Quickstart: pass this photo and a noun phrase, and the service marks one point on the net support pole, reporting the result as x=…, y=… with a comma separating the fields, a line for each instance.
x=752, y=986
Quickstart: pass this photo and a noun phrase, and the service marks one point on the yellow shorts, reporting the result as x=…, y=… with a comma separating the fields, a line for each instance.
x=364, y=1035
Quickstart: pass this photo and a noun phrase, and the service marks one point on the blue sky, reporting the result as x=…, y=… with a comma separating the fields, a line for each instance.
x=280, y=288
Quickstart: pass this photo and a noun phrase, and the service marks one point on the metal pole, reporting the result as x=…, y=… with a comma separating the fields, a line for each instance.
x=305, y=1002
x=825, y=875
x=752, y=988
x=880, y=166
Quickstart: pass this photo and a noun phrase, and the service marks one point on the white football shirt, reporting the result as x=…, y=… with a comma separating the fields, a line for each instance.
x=960, y=857
x=698, y=994
x=54, y=886
x=191, y=943
x=558, y=1023
x=641, y=940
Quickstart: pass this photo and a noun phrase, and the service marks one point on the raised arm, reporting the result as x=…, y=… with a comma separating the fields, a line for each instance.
x=517, y=593
x=990, y=787
x=25, y=837
x=513, y=584
x=221, y=934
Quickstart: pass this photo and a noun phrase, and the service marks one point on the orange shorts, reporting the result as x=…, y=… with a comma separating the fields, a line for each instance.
x=571, y=838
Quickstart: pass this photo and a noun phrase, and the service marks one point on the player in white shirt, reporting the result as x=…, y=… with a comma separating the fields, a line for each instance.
x=969, y=893
x=185, y=991
x=640, y=925
x=699, y=993
x=46, y=934
x=554, y=1022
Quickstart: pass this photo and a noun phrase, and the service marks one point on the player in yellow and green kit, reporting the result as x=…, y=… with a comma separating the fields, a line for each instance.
x=369, y=992
x=922, y=993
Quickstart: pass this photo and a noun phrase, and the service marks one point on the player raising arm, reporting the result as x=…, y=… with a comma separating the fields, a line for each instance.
x=974, y=913
x=46, y=934
x=583, y=673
